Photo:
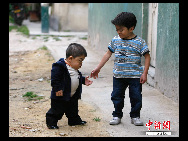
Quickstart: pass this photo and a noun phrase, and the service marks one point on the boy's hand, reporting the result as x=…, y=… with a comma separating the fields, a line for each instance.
x=59, y=93
x=94, y=73
x=105, y=58
x=143, y=78
x=87, y=81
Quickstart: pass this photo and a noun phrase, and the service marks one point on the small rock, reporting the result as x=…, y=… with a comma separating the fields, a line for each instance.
x=13, y=89
x=37, y=55
x=41, y=95
x=62, y=134
x=29, y=107
x=35, y=102
x=40, y=80
x=14, y=71
x=32, y=130
x=28, y=127
x=23, y=127
x=14, y=96
x=14, y=120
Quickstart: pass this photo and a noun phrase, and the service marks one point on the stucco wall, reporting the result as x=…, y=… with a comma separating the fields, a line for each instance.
x=100, y=29
x=167, y=52
x=71, y=16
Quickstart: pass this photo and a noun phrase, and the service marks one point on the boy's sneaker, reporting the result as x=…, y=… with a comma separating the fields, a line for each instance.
x=136, y=121
x=115, y=121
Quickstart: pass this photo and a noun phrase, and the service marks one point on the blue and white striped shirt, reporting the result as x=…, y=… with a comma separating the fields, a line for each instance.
x=127, y=63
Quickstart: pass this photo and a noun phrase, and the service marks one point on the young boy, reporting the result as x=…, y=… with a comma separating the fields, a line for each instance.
x=66, y=82
x=128, y=49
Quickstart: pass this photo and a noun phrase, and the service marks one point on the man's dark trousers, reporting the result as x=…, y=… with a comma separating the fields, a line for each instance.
x=61, y=107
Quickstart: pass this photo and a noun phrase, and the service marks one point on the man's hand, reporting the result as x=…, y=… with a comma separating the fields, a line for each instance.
x=87, y=81
x=59, y=93
x=143, y=78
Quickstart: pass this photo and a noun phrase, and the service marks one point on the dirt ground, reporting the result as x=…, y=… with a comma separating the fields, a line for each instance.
x=30, y=71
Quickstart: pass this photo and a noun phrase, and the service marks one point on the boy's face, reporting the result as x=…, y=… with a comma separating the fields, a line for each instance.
x=124, y=32
x=76, y=62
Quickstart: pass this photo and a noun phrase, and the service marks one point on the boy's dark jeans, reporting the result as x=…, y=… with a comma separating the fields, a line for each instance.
x=118, y=95
x=59, y=107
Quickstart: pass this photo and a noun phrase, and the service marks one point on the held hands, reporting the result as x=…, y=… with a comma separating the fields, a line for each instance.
x=95, y=72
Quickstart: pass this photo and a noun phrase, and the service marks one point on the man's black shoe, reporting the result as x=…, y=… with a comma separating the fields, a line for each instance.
x=52, y=127
x=78, y=123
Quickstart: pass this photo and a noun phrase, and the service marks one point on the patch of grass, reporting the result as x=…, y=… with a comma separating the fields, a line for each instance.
x=45, y=38
x=84, y=38
x=57, y=39
x=43, y=48
x=11, y=19
x=23, y=29
x=34, y=37
x=32, y=96
x=12, y=27
x=67, y=30
x=92, y=110
x=97, y=119
x=67, y=36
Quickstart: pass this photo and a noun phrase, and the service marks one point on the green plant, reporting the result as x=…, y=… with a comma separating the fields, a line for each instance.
x=12, y=27
x=66, y=30
x=43, y=48
x=23, y=29
x=32, y=96
x=45, y=38
x=57, y=39
x=29, y=94
x=97, y=119
x=83, y=38
x=11, y=19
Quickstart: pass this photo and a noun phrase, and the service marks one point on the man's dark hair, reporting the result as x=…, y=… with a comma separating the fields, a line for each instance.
x=125, y=19
x=75, y=50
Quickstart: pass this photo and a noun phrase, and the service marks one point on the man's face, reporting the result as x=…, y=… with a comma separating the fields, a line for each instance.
x=76, y=62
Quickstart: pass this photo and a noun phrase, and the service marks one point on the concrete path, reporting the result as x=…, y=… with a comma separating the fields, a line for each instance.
x=35, y=29
x=155, y=107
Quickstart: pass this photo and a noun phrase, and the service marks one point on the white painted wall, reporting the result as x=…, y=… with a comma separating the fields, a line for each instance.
x=72, y=16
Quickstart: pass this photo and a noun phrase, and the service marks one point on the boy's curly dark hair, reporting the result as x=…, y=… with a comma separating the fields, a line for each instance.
x=125, y=19
x=75, y=50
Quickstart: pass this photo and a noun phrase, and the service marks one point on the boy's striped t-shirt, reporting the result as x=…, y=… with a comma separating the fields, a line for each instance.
x=127, y=63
